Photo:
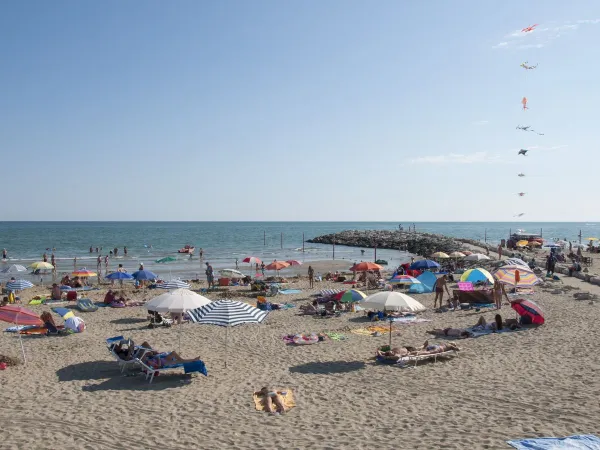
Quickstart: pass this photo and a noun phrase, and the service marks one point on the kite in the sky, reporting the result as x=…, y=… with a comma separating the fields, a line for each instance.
x=521, y=174
x=523, y=152
x=528, y=67
x=520, y=127
x=521, y=194
x=519, y=215
x=528, y=29
x=524, y=103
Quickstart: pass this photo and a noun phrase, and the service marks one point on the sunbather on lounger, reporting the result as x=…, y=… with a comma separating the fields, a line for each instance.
x=435, y=348
x=160, y=360
x=126, y=354
x=271, y=397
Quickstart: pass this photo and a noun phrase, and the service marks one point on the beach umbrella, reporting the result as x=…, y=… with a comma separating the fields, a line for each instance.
x=403, y=279
x=144, y=275
x=516, y=276
x=523, y=243
x=252, y=260
x=515, y=262
x=18, y=285
x=592, y=239
x=457, y=255
x=166, y=259
x=535, y=244
x=528, y=309
x=424, y=264
x=173, y=284
x=20, y=316
x=477, y=257
x=14, y=268
x=578, y=246
x=41, y=265
x=231, y=273
x=177, y=301
x=391, y=301
x=293, y=262
x=227, y=313
x=65, y=313
x=552, y=245
x=84, y=273
x=349, y=296
x=440, y=255
x=119, y=276
x=467, y=252
x=277, y=265
x=475, y=275
x=365, y=266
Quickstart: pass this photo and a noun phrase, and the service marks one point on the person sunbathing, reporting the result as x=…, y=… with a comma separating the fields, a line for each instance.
x=56, y=292
x=481, y=325
x=432, y=349
x=396, y=353
x=126, y=354
x=460, y=333
x=160, y=360
x=273, y=402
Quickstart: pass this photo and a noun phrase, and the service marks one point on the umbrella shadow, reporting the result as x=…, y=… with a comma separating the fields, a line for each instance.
x=328, y=368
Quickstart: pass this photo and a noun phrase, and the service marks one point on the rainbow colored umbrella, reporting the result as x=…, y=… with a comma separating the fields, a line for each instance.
x=349, y=296
x=528, y=310
x=516, y=276
x=84, y=273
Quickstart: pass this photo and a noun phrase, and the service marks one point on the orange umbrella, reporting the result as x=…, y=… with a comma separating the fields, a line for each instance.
x=365, y=266
x=277, y=265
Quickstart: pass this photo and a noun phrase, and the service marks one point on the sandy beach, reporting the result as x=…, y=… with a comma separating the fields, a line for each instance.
x=71, y=393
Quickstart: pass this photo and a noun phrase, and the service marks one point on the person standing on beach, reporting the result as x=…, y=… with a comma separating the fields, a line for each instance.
x=237, y=266
x=106, y=264
x=210, y=276
x=125, y=251
x=201, y=253
x=440, y=285
x=99, y=265
x=91, y=249
x=4, y=254
x=499, y=251
x=311, y=277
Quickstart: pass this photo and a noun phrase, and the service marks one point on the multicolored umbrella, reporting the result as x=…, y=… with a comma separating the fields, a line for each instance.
x=84, y=273
x=475, y=275
x=516, y=276
x=529, y=311
x=166, y=259
x=365, y=267
x=65, y=313
x=252, y=260
x=277, y=265
x=349, y=296
x=403, y=279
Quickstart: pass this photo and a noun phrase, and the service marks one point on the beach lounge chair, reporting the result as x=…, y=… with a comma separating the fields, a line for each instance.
x=407, y=361
x=86, y=305
x=191, y=367
x=137, y=355
x=157, y=319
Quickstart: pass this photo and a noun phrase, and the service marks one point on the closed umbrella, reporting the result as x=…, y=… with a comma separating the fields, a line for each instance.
x=227, y=313
x=173, y=284
x=18, y=285
x=477, y=257
x=20, y=316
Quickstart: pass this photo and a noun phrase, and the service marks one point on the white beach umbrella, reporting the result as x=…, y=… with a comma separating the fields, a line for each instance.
x=515, y=262
x=177, y=301
x=231, y=273
x=14, y=268
x=477, y=257
x=391, y=301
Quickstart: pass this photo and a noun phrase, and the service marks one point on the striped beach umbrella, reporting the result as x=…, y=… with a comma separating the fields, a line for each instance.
x=14, y=268
x=84, y=273
x=517, y=276
x=227, y=313
x=173, y=284
x=18, y=285
x=403, y=279
x=349, y=296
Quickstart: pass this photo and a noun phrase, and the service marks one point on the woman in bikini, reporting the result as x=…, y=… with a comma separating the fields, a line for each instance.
x=272, y=400
x=440, y=284
x=498, y=293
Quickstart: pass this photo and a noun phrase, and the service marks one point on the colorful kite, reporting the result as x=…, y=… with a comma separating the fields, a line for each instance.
x=529, y=29
x=527, y=67
x=523, y=152
x=524, y=103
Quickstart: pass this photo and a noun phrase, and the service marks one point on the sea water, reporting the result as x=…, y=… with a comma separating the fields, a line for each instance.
x=224, y=242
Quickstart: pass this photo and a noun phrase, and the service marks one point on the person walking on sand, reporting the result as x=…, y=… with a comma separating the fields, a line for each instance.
x=311, y=277
x=499, y=251
x=499, y=291
x=106, y=264
x=440, y=285
x=53, y=260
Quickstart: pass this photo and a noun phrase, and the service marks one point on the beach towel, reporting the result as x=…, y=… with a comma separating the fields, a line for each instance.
x=336, y=336
x=408, y=320
x=290, y=291
x=577, y=442
x=86, y=305
x=287, y=395
x=37, y=301
x=17, y=328
x=371, y=330
x=195, y=366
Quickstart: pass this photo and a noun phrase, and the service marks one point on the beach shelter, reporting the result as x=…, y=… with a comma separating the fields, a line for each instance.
x=403, y=279
x=427, y=282
x=475, y=275
x=20, y=316
x=424, y=264
x=529, y=311
x=227, y=313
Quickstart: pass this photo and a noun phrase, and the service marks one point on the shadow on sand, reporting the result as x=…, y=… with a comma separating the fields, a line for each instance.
x=329, y=367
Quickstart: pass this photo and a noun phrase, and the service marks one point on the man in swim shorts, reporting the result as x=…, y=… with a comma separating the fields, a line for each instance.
x=440, y=284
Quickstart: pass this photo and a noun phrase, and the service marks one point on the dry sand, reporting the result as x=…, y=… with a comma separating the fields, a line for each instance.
x=72, y=395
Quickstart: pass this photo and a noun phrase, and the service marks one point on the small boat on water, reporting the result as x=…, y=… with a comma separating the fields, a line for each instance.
x=187, y=249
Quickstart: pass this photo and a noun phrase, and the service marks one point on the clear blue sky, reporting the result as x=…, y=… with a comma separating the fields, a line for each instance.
x=309, y=110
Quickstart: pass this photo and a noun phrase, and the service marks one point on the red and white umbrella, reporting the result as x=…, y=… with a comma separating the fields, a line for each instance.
x=252, y=260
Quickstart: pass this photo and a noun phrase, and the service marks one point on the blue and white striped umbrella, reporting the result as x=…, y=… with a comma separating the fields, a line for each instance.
x=18, y=285
x=227, y=313
x=14, y=268
x=173, y=284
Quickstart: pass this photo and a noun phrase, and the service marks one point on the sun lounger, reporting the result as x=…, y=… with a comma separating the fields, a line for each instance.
x=194, y=366
x=406, y=361
x=137, y=355
x=86, y=305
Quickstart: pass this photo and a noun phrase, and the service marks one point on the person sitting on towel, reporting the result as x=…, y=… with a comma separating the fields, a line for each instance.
x=56, y=292
x=273, y=402
x=49, y=323
x=109, y=297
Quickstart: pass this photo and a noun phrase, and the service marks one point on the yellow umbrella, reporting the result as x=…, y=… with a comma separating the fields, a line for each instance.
x=592, y=239
x=535, y=244
x=440, y=255
x=522, y=243
x=41, y=265
x=457, y=255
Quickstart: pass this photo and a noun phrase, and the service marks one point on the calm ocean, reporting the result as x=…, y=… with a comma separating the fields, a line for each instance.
x=223, y=242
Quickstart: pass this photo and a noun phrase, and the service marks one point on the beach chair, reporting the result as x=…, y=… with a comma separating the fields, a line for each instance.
x=157, y=319
x=406, y=360
x=123, y=364
x=191, y=367
x=86, y=305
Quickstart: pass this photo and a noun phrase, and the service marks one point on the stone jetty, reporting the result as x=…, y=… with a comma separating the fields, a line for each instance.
x=423, y=244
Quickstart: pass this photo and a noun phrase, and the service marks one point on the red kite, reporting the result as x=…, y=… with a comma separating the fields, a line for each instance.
x=528, y=29
x=524, y=103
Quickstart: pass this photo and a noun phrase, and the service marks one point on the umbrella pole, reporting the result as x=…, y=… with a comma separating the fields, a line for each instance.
x=22, y=348
x=390, y=334
x=226, y=344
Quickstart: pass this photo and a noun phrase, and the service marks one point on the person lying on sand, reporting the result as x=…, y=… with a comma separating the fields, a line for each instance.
x=481, y=325
x=270, y=398
x=426, y=349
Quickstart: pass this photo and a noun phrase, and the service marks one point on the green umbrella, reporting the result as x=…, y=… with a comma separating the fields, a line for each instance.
x=166, y=259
